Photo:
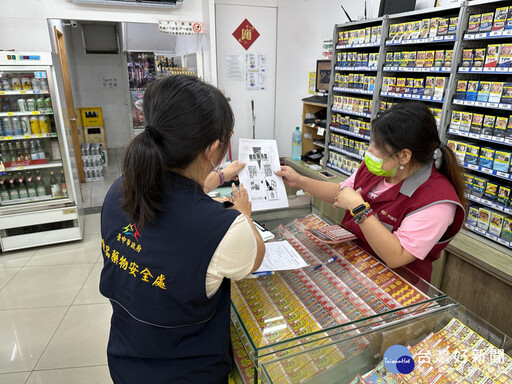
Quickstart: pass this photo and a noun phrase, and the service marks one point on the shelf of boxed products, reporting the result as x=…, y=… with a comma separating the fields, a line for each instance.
x=349, y=133
x=353, y=113
x=434, y=99
x=489, y=235
x=352, y=61
x=416, y=69
x=345, y=172
x=351, y=90
x=362, y=37
x=431, y=30
x=350, y=69
x=345, y=152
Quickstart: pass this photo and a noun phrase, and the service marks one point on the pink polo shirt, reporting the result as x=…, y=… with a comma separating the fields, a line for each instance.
x=419, y=232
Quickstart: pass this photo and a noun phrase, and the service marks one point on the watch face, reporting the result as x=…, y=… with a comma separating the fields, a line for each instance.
x=359, y=209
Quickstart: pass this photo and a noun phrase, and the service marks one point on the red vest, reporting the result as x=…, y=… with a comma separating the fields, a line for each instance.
x=424, y=188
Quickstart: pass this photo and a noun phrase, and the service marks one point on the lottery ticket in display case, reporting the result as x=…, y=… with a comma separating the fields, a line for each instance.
x=38, y=198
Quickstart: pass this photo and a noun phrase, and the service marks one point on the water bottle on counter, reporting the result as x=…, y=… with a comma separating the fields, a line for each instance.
x=296, y=144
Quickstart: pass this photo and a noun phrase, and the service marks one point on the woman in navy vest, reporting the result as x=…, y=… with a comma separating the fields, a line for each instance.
x=169, y=249
x=406, y=200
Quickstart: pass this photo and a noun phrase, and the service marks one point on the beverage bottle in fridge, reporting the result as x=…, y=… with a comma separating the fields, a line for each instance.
x=10, y=156
x=8, y=128
x=19, y=156
x=31, y=187
x=296, y=144
x=4, y=193
x=13, y=188
x=40, y=186
x=55, y=185
x=3, y=150
x=63, y=185
x=25, y=125
x=34, y=154
x=25, y=151
x=40, y=150
x=22, y=188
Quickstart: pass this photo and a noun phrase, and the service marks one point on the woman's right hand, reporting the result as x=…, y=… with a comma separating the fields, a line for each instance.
x=241, y=200
x=289, y=176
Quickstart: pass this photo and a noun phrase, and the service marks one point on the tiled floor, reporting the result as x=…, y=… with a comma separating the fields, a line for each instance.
x=53, y=321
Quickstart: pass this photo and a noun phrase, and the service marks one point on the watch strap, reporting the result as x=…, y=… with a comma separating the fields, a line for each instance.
x=221, y=176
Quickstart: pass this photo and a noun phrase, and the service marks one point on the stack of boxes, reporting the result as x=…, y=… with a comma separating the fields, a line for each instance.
x=94, y=148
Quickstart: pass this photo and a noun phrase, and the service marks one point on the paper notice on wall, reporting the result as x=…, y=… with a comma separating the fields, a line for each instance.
x=266, y=190
x=235, y=67
x=255, y=72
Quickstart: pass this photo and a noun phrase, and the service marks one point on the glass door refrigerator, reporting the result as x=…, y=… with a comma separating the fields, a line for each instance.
x=38, y=197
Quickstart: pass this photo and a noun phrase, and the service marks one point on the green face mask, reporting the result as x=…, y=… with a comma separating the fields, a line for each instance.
x=374, y=165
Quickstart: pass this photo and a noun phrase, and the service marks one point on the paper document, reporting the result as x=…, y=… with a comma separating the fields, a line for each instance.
x=281, y=256
x=266, y=190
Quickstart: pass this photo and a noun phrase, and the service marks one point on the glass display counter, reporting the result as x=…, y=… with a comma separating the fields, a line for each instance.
x=292, y=311
x=448, y=344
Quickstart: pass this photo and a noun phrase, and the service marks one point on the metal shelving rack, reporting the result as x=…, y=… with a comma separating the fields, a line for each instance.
x=448, y=103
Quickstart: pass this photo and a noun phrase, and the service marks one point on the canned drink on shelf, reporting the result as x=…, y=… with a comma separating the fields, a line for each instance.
x=31, y=105
x=48, y=103
x=6, y=84
x=26, y=85
x=22, y=105
x=16, y=126
x=40, y=103
x=8, y=131
x=34, y=125
x=16, y=83
x=44, y=124
x=43, y=83
x=25, y=125
x=35, y=84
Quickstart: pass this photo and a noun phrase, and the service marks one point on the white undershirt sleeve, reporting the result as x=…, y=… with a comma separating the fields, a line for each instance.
x=234, y=257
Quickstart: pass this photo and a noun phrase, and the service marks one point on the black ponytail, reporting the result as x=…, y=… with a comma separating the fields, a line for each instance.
x=184, y=116
x=411, y=125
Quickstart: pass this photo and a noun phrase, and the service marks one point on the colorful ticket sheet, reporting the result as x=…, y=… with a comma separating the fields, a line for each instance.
x=455, y=354
x=292, y=304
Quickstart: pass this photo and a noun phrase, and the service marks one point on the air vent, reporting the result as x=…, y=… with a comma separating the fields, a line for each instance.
x=139, y=3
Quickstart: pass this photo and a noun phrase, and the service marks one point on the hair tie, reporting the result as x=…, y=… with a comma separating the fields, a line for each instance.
x=153, y=132
x=438, y=155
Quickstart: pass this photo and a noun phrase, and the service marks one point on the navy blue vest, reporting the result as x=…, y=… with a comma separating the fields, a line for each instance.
x=164, y=329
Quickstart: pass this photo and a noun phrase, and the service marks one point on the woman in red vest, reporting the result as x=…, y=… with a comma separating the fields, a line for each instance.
x=406, y=200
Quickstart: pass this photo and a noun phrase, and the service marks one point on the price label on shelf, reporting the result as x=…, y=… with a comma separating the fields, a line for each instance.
x=489, y=236
x=503, y=242
x=502, y=174
x=474, y=135
x=35, y=112
x=469, y=36
x=472, y=166
x=26, y=136
x=492, y=105
x=489, y=70
x=40, y=135
x=508, y=32
x=487, y=170
x=8, y=137
x=477, y=69
x=23, y=92
x=496, y=33
x=429, y=39
x=479, y=230
x=480, y=35
x=20, y=168
x=486, y=137
x=463, y=69
x=500, y=69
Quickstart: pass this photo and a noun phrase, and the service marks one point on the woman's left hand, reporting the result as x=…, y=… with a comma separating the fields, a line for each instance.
x=232, y=169
x=348, y=198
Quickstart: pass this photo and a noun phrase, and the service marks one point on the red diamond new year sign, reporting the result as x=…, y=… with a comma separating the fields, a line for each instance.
x=246, y=34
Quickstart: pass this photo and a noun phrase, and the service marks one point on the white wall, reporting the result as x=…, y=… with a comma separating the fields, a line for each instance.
x=302, y=26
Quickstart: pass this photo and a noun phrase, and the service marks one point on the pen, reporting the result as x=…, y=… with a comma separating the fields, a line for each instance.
x=334, y=258
x=263, y=273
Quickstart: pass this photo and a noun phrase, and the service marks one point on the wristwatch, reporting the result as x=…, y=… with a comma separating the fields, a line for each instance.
x=360, y=208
